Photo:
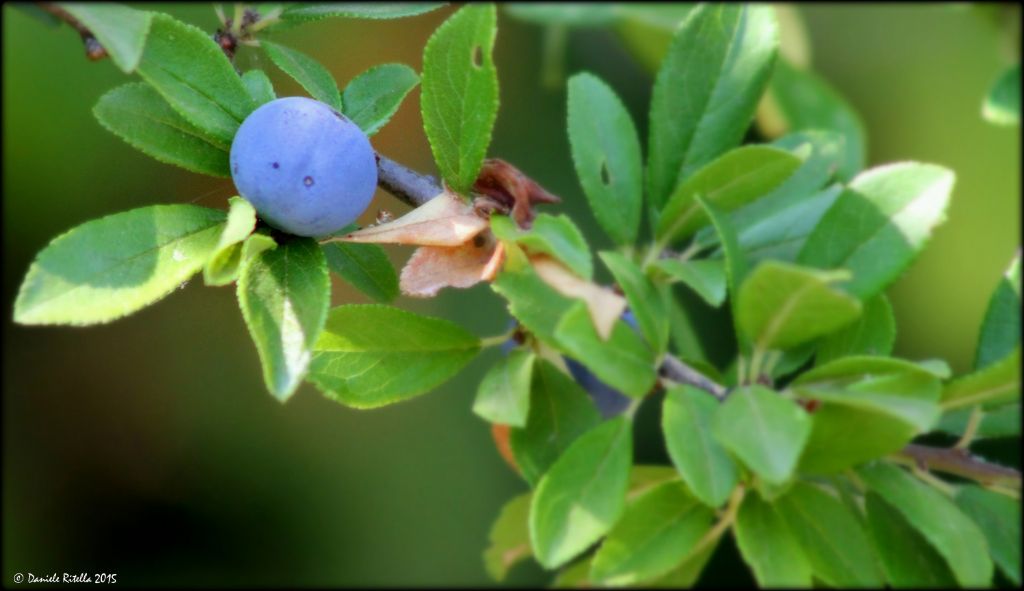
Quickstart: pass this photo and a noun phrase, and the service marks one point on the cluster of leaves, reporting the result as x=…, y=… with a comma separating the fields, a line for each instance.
x=803, y=450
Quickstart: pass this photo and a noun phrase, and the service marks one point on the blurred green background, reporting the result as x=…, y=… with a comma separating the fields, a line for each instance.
x=149, y=448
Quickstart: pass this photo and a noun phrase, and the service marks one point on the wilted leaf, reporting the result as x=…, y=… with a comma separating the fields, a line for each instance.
x=604, y=305
x=432, y=268
x=445, y=220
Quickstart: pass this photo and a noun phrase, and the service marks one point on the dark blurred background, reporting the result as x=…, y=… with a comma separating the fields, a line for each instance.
x=148, y=447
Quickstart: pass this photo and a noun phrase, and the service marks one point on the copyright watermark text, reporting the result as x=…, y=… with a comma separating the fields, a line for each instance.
x=55, y=577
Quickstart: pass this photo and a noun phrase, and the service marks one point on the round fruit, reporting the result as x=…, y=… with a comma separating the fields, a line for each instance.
x=305, y=167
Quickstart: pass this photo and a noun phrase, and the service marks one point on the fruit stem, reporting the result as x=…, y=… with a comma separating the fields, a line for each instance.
x=407, y=185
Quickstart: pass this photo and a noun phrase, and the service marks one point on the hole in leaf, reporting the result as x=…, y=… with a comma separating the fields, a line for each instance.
x=478, y=57
x=605, y=175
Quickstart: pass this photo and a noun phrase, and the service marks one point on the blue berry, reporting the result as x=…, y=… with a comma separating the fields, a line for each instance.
x=306, y=168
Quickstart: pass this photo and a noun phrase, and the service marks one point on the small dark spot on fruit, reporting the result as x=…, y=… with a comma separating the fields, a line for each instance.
x=235, y=169
x=605, y=176
x=478, y=57
x=276, y=165
x=308, y=181
x=478, y=241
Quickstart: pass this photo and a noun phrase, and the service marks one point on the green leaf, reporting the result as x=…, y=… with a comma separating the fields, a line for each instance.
x=782, y=305
x=504, y=394
x=895, y=207
x=110, y=267
x=1000, y=331
x=575, y=575
x=782, y=236
x=365, y=266
x=946, y=528
x=623, y=361
x=776, y=225
x=137, y=114
x=556, y=236
x=771, y=552
x=509, y=538
x=706, y=90
x=800, y=100
x=367, y=10
x=686, y=418
x=685, y=340
x=225, y=267
x=1002, y=421
x=874, y=333
x=847, y=436
x=736, y=264
x=831, y=536
x=370, y=355
x=459, y=100
x=284, y=294
x=1002, y=105
x=730, y=181
x=643, y=477
x=576, y=14
x=583, y=494
x=240, y=224
x=194, y=76
x=764, y=430
x=686, y=574
x=998, y=516
x=655, y=533
x=906, y=396
x=258, y=86
x=820, y=152
x=645, y=299
x=868, y=418
x=705, y=276
x=996, y=384
x=857, y=367
x=315, y=78
x=372, y=97
x=532, y=302
x=606, y=154
x=907, y=558
x=120, y=30
x=560, y=411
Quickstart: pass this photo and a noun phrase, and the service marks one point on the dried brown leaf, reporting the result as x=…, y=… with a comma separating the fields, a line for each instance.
x=605, y=306
x=445, y=220
x=432, y=268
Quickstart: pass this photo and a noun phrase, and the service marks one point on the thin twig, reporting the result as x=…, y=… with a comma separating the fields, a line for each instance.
x=93, y=50
x=959, y=462
x=674, y=369
x=406, y=184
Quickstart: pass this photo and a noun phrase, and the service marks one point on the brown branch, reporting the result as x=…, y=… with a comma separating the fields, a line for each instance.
x=93, y=50
x=960, y=462
x=674, y=369
x=406, y=184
